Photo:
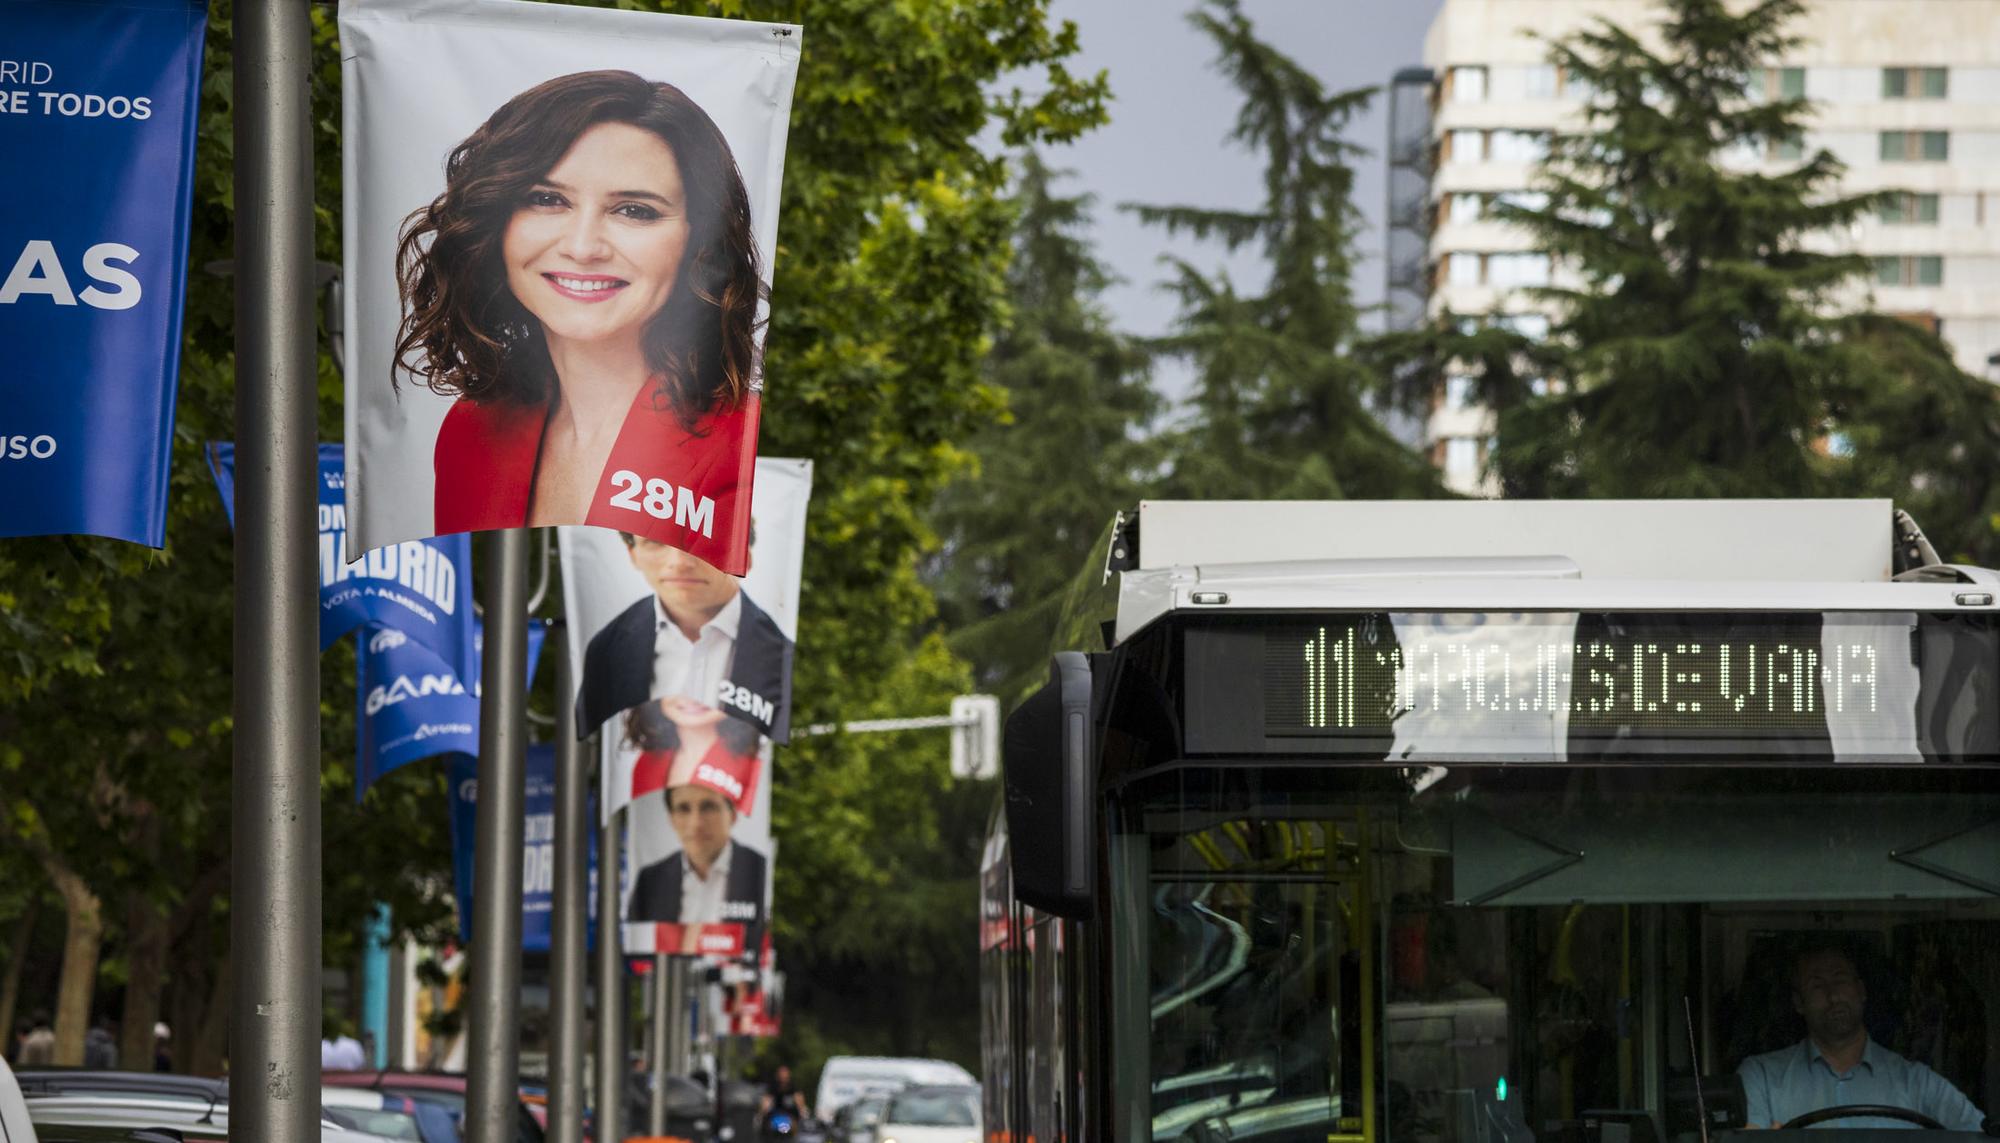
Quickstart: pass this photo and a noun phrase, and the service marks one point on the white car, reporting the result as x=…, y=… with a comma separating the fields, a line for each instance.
x=14, y=1125
x=845, y=1079
x=932, y=1114
x=50, y=1114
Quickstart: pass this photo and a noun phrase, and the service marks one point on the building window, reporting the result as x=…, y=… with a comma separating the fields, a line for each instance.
x=1914, y=82
x=1467, y=85
x=1517, y=269
x=1462, y=207
x=1458, y=394
x=1905, y=209
x=1910, y=270
x=1541, y=82
x=1916, y=146
x=1534, y=327
x=1461, y=460
x=1465, y=146
x=1462, y=269
x=1784, y=83
x=1518, y=146
x=1524, y=200
x=1786, y=150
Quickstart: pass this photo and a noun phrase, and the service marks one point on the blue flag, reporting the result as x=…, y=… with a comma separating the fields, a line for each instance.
x=538, y=869
x=421, y=588
x=98, y=104
x=410, y=703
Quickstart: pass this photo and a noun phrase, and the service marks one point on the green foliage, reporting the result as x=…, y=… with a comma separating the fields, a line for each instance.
x=1068, y=455
x=1280, y=405
x=1708, y=345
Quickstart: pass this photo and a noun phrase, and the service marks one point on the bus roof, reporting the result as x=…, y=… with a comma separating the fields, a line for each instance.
x=1818, y=541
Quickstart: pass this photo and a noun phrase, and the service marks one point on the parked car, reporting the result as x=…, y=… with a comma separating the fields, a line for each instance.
x=56, y=1115
x=442, y=1090
x=845, y=1079
x=856, y=1122
x=14, y=1125
x=932, y=1114
x=381, y=1113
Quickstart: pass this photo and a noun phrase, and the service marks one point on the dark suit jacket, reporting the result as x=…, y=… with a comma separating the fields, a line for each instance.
x=618, y=670
x=656, y=896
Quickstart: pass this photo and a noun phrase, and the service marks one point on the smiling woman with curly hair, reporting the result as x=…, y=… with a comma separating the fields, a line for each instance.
x=588, y=288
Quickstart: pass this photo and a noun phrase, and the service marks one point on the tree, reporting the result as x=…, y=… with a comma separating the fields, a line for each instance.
x=1711, y=344
x=1071, y=450
x=1281, y=404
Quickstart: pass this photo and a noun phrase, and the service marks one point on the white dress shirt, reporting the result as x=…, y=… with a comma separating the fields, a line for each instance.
x=694, y=669
x=702, y=897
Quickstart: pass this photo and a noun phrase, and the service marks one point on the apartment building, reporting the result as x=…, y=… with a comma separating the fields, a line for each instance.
x=1907, y=95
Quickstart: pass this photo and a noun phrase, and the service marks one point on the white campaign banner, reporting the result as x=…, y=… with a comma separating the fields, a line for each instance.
x=688, y=673
x=560, y=224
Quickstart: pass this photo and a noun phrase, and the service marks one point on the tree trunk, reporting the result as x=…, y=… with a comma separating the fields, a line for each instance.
x=17, y=960
x=146, y=936
x=82, y=940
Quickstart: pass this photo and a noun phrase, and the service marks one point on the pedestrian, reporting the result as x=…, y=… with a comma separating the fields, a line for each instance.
x=163, y=1051
x=100, y=1044
x=38, y=1047
x=339, y=1051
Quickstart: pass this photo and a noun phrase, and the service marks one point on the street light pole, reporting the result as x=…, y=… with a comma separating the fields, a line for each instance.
x=610, y=1122
x=566, y=953
x=493, y=1059
x=274, y=924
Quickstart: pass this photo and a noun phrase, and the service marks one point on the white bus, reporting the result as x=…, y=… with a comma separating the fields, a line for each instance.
x=1490, y=822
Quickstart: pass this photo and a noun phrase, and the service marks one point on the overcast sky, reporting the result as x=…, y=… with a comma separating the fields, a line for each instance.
x=1171, y=110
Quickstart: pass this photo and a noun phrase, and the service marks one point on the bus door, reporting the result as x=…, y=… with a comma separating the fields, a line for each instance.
x=1261, y=984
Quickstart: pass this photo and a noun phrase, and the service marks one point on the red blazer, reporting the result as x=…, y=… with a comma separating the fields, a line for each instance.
x=687, y=488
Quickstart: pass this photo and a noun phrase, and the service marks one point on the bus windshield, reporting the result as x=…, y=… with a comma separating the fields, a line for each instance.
x=1492, y=954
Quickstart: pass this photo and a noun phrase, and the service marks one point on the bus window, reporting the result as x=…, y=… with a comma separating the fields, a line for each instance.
x=1488, y=955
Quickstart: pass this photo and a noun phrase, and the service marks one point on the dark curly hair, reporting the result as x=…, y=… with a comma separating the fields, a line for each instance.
x=647, y=727
x=465, y=334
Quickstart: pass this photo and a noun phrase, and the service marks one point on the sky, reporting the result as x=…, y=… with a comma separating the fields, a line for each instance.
x=1171, y=111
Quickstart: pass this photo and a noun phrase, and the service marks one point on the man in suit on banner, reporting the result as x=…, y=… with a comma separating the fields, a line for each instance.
x=712, y=880
x=697, y=635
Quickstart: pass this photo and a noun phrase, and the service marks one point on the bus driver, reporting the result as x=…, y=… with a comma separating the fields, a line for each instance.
x=1838, y=1064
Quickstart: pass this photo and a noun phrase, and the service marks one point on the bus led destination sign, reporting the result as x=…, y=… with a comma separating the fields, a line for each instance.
x=1743, y=682
x=1463, y=679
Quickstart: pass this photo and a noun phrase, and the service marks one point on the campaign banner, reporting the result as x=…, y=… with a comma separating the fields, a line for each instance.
x=688, y=671
x=560, y=225
x=98, y=111
x=411, y=705
x=538, y=870
x=624, y=595
x=423, y=589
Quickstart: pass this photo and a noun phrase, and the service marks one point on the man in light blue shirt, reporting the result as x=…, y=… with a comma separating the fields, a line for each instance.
x=1838, y=1065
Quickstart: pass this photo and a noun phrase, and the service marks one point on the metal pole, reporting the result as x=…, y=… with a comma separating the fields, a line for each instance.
x=274, y=927
x=493, y=1059
x=664, y=1010
x=679, y=1056
x=611, y=1067
x=567, y=967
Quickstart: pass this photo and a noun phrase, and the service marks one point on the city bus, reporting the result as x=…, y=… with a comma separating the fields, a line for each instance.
x=1497, y=822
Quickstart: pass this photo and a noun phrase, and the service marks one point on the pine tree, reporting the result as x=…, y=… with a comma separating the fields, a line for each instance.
x=1280, y=407
x=1071, y=451
x=1709, y=342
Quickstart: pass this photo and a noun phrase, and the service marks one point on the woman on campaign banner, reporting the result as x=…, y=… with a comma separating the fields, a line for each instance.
x=579, y=308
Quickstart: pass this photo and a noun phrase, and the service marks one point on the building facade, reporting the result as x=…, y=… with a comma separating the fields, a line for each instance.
x=1906, y=95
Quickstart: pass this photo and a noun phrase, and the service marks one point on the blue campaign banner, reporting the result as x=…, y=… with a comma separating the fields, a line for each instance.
x=538, y=869
x=98, y=102
x=422, y=588
x=410, y=704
